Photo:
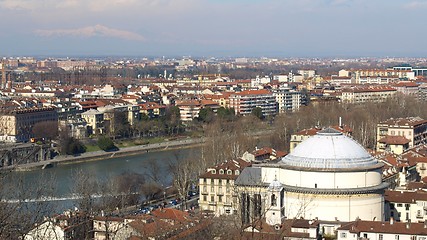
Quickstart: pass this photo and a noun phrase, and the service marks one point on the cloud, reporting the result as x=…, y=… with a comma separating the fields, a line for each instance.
x=91, y=31
x=416, y=4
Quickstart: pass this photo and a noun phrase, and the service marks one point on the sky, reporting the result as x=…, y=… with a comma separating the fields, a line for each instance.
x=214, y=28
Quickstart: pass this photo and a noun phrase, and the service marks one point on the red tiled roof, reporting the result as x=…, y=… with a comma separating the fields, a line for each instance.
x=404, y=196
x=385, y=227
x=394, y=140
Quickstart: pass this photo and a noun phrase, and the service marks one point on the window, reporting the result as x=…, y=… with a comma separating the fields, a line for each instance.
x=343, y=235
x=396, y=237
x=237, y=172
x=205, y=198
x=221, y=171
x=380, y=237
x=212, y=199
x=399, y=205
x=407, y=206
x=204, y=180
x=273, y=200
x=229, y=172
x=213, y=171
x=219, y=198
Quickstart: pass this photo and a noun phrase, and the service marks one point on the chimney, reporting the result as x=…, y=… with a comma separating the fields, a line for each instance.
x=391, y=221
x=340, y=122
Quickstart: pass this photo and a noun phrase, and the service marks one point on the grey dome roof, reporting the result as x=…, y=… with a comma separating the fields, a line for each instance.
x=275, y=185
x=329, y=149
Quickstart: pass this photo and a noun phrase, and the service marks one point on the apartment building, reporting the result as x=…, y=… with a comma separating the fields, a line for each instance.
x=17, y=124
x=94, y=120
x=216, y=186
x=190, y=109
x=244, y=102
x=407, y=88
x=287, y=99
x=406, y=206
x=367, y=94
x=380, y=73
x=412, y=128
x=375, y=230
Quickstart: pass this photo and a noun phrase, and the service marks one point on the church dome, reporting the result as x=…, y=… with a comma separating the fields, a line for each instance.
x=329, y=149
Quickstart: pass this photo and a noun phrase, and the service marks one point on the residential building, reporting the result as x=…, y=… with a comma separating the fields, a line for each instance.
x=367, y=94
x=407, y=88
x=190, y=109
x=287, y=99
x=244, y=102
x=152, y=109
x=406, y=206
x=377, y=230
x=66, y=226
x=216, y=187
x=412, y=128
x=394, y=144
x=306, y=74
x=262, y=155
x=16, y=124
x=94, y=120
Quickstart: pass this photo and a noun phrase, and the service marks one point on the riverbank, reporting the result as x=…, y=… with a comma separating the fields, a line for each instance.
x=101, y=155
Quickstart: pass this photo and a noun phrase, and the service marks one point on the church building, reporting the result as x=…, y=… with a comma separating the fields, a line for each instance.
x=328, y=177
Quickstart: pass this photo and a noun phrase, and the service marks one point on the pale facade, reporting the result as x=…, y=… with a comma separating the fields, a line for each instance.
x=328, y=176
x=217, y=189
x=412, y=128
x=94, y=120
x=287, y=100
x=244, y=102
x=362, y=95
x=17, y=125
x=371, y=230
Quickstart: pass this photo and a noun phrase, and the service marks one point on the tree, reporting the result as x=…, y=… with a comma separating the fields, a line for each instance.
x=257, y=112
x=18, y=217
x=183, y=175
x=48, y=129
x=106, y=144
x=206, y=115
x=74, y=146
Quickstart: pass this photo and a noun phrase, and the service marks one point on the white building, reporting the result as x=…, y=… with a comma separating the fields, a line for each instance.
x=287, y=99
x=328, y=176
x=373, y=230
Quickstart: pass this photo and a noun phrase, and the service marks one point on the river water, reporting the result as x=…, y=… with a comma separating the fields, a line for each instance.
x=62, y=177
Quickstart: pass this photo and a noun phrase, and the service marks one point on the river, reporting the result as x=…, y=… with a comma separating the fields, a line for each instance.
x=60, y=178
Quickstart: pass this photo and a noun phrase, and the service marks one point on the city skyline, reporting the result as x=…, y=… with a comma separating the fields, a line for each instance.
x=303, y=28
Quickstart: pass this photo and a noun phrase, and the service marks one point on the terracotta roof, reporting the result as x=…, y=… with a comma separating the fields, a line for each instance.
x=171, y=214
x=409, y=121
x=385, y=227
x=405, y=196
x=237, y=164
x=394, y=140
x=253, y=92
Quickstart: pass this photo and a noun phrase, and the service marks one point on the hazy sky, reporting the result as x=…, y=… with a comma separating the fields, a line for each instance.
x=286, y=28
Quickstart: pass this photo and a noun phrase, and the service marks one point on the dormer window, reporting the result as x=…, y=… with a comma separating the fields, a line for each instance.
x=221, y=171
x=213, y=171
x=237, y=172
x=229, y=172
